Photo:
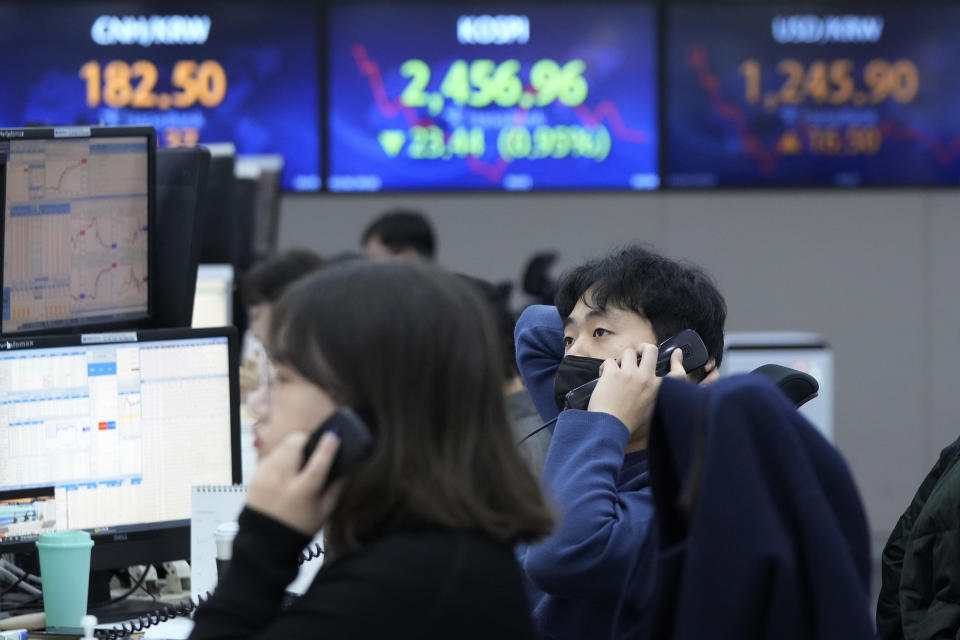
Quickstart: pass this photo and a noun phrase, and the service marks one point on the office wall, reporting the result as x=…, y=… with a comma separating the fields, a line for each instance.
x=874, y=271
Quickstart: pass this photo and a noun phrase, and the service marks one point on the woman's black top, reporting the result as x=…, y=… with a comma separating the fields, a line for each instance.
x=418, y=584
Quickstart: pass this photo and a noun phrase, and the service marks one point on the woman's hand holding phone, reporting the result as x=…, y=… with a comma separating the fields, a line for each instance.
x=298, y=498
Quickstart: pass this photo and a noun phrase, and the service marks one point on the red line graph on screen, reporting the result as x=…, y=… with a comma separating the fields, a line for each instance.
x=608, y=111
x=944, y=153
x=698, y=59
x=389, y=108
x=605, y=110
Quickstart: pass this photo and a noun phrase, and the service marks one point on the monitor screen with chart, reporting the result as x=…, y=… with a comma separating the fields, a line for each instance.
x=108, y=433
x=77, y=212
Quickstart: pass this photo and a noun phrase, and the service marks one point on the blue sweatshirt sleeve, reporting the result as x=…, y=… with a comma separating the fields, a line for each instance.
x=603, y=532
x=539, y=339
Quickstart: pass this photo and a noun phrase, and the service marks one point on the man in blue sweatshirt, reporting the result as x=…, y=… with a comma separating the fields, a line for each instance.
x=609, y=311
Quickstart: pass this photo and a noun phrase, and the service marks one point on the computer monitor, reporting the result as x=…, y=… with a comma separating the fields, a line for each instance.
x=246, y=192
x=109, y=432
x=78, y=211
x=181, y=183
x=217, y=237
x=213, y=301
x=267, y=170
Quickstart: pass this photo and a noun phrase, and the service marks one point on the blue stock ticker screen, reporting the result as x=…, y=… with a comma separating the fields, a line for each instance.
x=488, y=97
x=778, y=96
x=201, y=72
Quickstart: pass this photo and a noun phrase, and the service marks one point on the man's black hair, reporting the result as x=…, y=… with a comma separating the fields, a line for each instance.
x=671, y=294
x=403, y=229
x=266, y=281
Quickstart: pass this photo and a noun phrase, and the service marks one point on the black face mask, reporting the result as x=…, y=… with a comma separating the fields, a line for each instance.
x=574, y=371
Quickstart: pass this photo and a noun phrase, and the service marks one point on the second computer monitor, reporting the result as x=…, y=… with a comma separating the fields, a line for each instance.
x=78, y=211
x=181, y=184
x=109, y=432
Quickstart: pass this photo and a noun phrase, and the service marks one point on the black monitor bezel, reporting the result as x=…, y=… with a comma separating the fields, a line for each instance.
x=195, y=158
x=79, y=132
x=147, y=542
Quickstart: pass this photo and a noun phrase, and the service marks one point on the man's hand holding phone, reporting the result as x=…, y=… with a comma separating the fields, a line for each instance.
x=298, y=498
x=627, y=390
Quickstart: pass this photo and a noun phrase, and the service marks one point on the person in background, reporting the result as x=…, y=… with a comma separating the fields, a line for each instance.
x=260, y=288
x=920, y=567
x=608, y=311
x=420, y=533
x=400, y=233
x=523, y=415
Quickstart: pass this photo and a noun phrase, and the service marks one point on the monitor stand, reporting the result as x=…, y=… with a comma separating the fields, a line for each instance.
x=126, y=609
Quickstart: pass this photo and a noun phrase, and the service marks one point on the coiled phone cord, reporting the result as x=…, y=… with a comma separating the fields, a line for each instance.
x=169, y=612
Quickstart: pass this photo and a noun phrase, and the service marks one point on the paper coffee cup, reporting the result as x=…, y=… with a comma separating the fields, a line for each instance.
x=64, y=576
x=223, y=537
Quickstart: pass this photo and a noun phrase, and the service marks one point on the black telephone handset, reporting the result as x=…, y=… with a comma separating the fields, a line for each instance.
x=694, y=356
x=356, y=441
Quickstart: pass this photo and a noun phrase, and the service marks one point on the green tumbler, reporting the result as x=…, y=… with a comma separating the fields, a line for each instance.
x=64, y=576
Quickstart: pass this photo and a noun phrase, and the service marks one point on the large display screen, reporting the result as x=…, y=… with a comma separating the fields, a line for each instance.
x=859, y=95
x=200, y=72
x=509, y=96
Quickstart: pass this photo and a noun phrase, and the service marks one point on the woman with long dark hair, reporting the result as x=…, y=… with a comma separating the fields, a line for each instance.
x=420, y=533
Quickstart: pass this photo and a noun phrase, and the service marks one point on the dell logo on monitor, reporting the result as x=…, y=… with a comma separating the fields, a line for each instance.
x=120, y=537
x=493, y=29
x=107, y=30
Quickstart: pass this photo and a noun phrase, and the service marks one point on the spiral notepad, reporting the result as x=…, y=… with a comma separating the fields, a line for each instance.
x=211, y=505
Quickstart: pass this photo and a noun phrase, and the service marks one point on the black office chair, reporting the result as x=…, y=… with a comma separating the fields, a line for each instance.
x=800, y=387
x=536, y=278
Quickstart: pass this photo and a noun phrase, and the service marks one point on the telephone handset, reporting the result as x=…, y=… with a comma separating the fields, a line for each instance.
x=356, y=441
x=694, y=356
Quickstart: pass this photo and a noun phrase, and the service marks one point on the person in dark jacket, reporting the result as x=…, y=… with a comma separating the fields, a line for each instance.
x=762, y=533
x=608, y=311
x=420, y=534
x=920, y=568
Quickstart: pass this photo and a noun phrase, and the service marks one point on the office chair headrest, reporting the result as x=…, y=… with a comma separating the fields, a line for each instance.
x=800, y=387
